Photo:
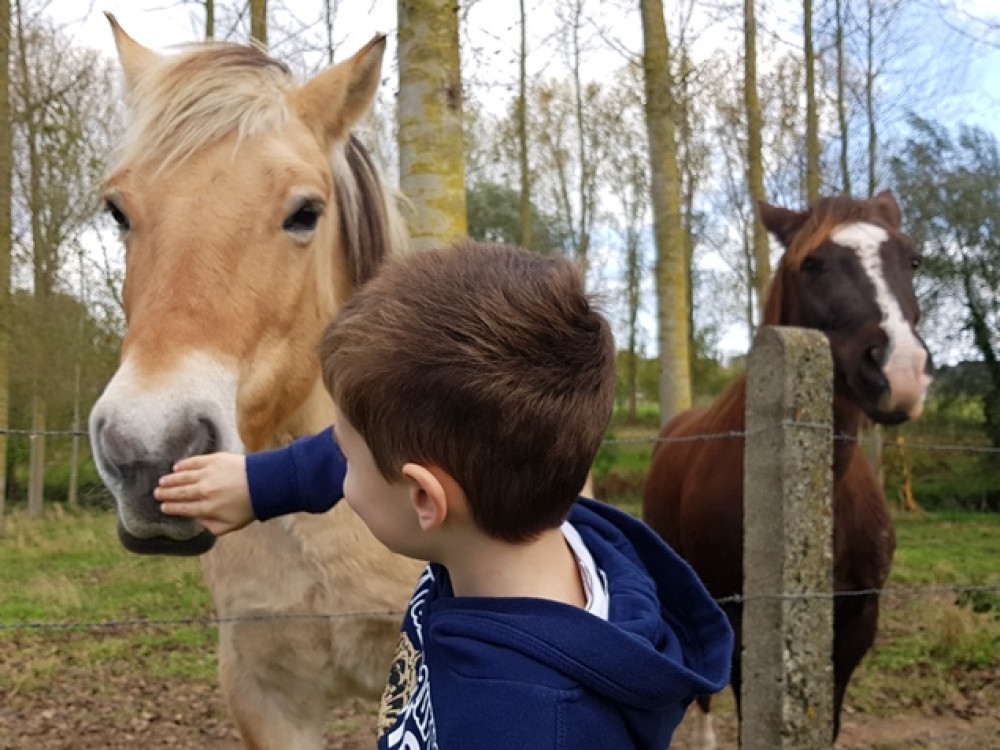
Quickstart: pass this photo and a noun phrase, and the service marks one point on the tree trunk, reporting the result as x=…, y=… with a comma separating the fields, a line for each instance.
x=870, y=96
x=36, y=483
x=845, y=171
x=258, y=22
x=42, y=268
x=522, y=133
x=329, y=16
x=586, y=194
x=209, y=20
x=431, y=172
x=671, y=270
x=5, y=250
x=761, y=253
x=812, y=118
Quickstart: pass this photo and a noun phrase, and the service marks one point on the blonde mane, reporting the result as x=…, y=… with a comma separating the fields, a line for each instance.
x=188, y=101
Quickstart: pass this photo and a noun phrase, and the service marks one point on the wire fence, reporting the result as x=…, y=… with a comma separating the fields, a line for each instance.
x=653, y=439
x=139, y=622
x=212, y=621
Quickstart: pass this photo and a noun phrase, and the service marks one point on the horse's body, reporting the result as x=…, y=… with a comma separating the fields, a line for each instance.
x=847, y=271
x=249, y=214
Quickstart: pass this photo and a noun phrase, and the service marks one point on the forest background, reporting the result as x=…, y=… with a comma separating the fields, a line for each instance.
x=634, y=143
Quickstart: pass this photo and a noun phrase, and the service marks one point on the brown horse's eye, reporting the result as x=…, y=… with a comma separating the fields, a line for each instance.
x=812, y=264
x=915, y=262
x=304, y=218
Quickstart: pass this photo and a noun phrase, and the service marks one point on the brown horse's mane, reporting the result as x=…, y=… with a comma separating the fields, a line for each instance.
x=824, y=215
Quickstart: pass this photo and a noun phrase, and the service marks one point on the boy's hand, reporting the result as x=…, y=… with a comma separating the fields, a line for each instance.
x=211, y=488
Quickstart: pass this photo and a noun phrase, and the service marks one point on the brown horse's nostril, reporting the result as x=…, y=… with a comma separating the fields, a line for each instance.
x=876, y=355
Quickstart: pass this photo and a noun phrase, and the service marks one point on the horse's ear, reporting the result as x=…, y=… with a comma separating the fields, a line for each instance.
x=335, y=99
x=134, y=58
x=888, y=209
x=781, y=222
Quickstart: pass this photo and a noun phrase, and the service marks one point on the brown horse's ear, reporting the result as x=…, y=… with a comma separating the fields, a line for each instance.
x=335, y=99
x=134, y=58
x=888, y=209
x=781, y=222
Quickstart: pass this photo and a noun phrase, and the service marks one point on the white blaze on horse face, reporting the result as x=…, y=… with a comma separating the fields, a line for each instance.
x=139, y=418
x=905, y=358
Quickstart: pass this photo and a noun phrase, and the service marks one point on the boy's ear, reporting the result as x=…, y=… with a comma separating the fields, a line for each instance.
x=428, y=496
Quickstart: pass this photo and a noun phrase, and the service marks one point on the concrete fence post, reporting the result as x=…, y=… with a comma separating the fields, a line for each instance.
x=787, y=684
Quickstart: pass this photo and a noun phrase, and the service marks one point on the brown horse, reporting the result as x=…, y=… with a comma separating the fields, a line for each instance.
x=847, y=271
x=249, y=214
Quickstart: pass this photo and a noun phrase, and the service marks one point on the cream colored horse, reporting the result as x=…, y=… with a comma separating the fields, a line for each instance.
x=249, y=214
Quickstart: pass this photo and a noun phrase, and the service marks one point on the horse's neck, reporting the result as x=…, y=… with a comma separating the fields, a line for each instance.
x=313, y=415
x=847, y=421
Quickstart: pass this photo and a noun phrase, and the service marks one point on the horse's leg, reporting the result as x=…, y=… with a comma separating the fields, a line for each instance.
x=267, y=718
x=703, y=737
x=704, y=730
x=855, y=623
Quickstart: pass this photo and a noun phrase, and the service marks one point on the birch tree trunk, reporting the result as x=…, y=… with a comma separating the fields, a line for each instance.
x=671, y=255
x=431, y=173
x=761, y=256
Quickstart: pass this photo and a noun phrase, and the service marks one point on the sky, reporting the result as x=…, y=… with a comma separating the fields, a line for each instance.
x=970, y=81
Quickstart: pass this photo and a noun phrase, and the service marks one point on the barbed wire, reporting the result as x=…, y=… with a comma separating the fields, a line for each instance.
x=914, y=591
x=655, y=439
x=44, y=433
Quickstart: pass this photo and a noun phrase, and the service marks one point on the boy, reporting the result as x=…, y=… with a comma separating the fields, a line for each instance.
x=472, y=388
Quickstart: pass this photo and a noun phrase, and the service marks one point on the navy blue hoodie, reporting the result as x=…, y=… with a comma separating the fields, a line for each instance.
x=524, y=673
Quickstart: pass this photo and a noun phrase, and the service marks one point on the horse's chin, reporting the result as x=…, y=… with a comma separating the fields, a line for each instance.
x=887, y=418
x=162, y=545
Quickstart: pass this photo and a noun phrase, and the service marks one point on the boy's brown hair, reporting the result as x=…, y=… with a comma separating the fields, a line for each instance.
x=488, y=361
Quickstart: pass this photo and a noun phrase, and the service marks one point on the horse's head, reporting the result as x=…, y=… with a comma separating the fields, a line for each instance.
x=848, y=271
x=248, y=214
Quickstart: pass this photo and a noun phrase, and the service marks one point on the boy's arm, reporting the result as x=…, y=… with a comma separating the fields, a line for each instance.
x=226, y=491
x=307, y=476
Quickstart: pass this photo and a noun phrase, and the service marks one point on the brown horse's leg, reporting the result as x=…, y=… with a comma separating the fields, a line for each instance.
x=703, y=737
x=854, y=625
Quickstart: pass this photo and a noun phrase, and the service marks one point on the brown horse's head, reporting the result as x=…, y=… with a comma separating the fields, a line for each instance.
x=848, y=271
x=248, y=214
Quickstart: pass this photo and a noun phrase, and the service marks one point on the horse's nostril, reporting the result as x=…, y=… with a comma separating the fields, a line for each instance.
x=209, y=436
x=118, y=450
x=876, y=355
x=200, y=436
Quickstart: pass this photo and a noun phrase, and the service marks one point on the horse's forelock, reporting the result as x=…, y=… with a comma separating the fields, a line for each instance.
x=193, y=99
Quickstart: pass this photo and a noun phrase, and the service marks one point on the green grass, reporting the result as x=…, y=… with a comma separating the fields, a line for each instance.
x=69, y=569
x=935, y=645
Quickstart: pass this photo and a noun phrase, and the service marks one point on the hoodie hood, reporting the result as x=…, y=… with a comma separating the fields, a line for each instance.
x=665, y=638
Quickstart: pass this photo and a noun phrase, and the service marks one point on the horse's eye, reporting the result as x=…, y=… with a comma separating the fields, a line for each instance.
x=304, y=218
x=812, y=264
x=915, y=262
x=118, y=215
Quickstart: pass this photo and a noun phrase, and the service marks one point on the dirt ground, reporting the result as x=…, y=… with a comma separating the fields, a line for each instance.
x=126, y=711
